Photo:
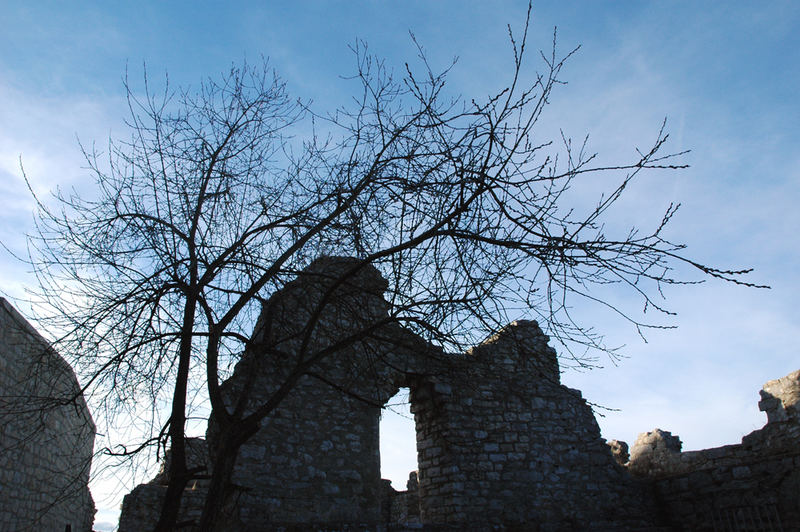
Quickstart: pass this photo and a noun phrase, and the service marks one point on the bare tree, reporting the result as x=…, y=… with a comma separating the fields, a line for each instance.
x=215, y=203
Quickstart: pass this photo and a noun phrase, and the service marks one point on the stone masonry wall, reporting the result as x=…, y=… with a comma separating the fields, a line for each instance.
x=142, y=506
x=754, y=485
x=316, y=458
x=46, y=437
x=501, y=443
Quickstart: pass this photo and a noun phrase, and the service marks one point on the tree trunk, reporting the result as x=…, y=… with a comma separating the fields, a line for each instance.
x=220, y=486
x=177, y=425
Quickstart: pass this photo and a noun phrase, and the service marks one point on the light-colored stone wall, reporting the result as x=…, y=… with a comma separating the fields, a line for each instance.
x=46, y=435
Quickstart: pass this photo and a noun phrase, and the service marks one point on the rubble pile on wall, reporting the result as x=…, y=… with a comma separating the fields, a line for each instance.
x=46, y=434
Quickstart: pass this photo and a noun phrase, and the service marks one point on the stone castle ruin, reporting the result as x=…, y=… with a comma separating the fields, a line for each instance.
x=501, y=443
x=754, y=485
x=46, y=435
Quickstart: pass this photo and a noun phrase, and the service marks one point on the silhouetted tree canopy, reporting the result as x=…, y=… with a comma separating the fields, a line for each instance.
x=224, y=192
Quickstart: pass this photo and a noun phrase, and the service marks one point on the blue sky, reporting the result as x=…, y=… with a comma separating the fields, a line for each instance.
x=725, y=75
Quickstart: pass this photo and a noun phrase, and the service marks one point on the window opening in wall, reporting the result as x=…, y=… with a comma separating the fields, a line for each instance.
x=398, y=440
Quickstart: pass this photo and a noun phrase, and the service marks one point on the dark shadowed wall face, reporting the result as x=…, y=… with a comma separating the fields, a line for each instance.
x=500, y=441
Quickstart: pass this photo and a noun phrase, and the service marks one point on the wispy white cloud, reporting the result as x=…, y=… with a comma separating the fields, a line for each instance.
x=40, y=134
x=739, y=197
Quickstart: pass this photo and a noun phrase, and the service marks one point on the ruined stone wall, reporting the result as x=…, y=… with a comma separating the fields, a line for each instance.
x=316, y=458
x=401, y=509
x=46, y=438
x=142, y=506
x=501, y=443
x=754, y=485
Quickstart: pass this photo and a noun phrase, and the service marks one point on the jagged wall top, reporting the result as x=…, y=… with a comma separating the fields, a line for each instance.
x=780, y=398
x=521, y=346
